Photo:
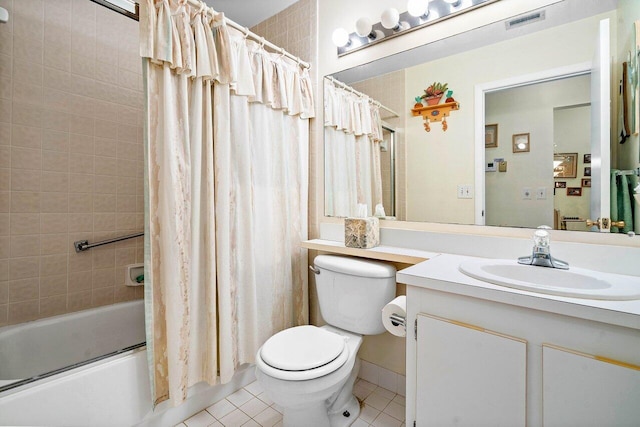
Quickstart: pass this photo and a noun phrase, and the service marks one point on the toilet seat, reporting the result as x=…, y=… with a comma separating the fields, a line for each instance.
x=302, y=353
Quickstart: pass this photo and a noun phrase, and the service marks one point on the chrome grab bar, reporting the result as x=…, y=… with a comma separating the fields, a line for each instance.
x=83, y=245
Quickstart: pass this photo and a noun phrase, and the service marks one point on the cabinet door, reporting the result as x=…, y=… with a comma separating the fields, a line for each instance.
x=584, y=390
x=467, y=376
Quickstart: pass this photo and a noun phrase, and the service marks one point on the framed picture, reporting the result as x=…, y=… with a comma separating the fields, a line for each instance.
x=521, y=143
x=491, y=136
x=565, y=165
x=587, y=158
x=587, y=171
x=574, y=191
x=561, y=184
x=586, y=182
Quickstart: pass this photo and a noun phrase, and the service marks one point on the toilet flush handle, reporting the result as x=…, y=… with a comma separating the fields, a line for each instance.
x=315, y=270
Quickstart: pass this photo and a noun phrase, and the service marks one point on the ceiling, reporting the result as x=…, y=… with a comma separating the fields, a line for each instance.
x=249, y=12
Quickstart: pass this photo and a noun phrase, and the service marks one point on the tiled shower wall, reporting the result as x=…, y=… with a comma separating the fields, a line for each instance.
x=71, y=156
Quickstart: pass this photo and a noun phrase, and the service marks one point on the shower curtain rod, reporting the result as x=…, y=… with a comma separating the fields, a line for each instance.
x=260, y=39
x=350, y=89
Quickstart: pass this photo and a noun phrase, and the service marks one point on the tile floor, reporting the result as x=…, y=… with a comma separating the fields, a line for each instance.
x=249, y=407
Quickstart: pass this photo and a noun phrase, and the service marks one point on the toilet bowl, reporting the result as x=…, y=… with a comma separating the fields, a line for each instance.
x=325, y=396
x=310, y=371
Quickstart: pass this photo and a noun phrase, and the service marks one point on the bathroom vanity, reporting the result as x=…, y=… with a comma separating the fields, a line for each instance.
x=485, y=354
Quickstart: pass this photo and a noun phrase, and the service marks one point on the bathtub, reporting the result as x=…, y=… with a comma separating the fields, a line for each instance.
x=43, y=346
x=106, y=391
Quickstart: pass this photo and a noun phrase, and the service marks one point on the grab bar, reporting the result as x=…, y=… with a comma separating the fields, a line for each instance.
x=83, y=245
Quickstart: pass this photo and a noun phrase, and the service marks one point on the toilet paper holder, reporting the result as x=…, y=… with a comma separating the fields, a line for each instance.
x=397, y=320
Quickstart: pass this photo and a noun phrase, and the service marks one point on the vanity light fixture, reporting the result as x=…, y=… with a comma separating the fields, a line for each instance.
x=364, y=28
x=454, y=3
x=418, y=8
x=420, y=13
x=390, y=19
x=340, y=37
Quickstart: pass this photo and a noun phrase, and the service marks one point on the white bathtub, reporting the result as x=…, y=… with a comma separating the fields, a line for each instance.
x=113, y=391
x=42, y=346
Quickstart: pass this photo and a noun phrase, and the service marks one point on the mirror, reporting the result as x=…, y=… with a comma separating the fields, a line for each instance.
x=435, y=171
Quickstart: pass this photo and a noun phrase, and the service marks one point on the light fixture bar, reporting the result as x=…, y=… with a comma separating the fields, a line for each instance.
x=128, y=8
x=439, y=10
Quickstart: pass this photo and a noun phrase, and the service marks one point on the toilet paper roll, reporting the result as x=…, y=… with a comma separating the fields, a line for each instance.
x=398, y=306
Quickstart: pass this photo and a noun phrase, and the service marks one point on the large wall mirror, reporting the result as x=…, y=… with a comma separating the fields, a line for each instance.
x=520, y=149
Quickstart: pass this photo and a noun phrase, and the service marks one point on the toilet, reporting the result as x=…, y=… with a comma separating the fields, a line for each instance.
x=310, y=371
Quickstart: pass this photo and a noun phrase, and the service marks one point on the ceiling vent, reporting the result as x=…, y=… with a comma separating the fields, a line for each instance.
x=521, y=20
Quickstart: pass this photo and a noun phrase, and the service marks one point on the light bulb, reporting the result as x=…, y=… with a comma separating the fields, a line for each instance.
x=340, y=37
x=364, y=27
x=390, y=18
x=418, y=8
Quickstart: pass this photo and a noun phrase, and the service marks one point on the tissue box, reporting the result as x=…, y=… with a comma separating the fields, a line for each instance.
x=361, y=232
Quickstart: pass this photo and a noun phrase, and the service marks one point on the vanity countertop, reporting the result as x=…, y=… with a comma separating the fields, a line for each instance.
x=441, y=274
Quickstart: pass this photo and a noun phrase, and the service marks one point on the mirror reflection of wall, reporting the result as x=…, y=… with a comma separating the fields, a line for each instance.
x=572, y=132
x=523, y=195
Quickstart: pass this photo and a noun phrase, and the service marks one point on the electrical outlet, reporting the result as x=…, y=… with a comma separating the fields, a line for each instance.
x=526, y=193
x=465, y=192
x=541, y=193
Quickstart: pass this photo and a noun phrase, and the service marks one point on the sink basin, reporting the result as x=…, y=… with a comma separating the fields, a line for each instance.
x=575, y=282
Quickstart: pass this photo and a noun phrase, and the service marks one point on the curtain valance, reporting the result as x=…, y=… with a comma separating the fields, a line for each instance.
x=351, y=113
x=197, y=42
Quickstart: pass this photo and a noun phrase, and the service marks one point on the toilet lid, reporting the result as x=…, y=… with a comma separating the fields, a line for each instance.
x=302, y=348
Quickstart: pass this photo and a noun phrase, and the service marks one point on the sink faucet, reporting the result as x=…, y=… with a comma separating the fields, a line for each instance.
x=541, y=255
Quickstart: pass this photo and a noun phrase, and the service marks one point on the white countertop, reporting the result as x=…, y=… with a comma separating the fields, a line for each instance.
x=441, y=273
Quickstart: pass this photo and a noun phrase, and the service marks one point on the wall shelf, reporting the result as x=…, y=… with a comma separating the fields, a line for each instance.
x=382, y=253
x=435, y=113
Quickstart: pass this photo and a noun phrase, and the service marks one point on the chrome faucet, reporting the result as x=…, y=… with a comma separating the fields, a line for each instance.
x=541, y=255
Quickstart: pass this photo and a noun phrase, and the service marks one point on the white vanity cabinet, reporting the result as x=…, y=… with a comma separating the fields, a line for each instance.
x=484, y=355
x=468, y=376
x=585, y=390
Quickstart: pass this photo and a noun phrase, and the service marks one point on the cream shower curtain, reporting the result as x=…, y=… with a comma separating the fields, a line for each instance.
x=352, y=135
x=226, y=145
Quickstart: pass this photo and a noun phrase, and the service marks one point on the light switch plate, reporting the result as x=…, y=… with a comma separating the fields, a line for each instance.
x=541, y=193
x=526, y=193
x=465, y=192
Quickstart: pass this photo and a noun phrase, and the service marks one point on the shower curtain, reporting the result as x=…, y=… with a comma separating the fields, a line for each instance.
x=226, y=146
x=352, y=135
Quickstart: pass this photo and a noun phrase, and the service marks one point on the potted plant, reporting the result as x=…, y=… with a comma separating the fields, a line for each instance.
x=433, y=94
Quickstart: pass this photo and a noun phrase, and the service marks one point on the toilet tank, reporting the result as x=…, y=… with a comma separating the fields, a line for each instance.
x=352, y=292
